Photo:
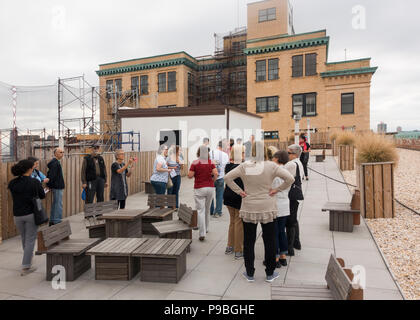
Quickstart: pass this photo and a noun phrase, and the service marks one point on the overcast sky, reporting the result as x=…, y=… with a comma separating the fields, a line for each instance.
x=43, y=40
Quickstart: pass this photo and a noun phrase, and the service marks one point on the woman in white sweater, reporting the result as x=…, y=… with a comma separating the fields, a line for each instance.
x=259, y=205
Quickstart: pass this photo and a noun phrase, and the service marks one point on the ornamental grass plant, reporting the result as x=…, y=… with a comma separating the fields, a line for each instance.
x=346, y=138
x=373, y=148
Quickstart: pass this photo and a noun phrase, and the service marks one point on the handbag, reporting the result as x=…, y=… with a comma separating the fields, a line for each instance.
x=84, y=195
x=40, y=216
x=295, y=192
x=169, y=184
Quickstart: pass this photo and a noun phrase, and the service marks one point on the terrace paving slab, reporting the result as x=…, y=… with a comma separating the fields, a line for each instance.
x=212, y=275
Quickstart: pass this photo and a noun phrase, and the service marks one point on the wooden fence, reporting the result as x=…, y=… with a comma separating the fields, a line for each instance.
x=72, y=201
x=411, y=144
x=281, y=145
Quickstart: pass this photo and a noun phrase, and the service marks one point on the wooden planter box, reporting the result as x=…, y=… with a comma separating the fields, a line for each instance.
x=377, y=190
x=334, y=147
x=346, y=158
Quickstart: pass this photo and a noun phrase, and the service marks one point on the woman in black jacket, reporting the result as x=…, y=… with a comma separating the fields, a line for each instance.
x=24, y=188
x=233, y=203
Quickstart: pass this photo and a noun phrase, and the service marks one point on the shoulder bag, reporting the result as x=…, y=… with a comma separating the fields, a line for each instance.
x=40, y=216
x=295, y=192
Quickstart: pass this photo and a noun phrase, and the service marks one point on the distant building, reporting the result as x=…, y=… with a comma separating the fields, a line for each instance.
x=382, y=127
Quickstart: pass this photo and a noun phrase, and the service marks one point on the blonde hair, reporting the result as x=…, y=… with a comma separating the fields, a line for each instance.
x=236, y=154
x=271, y=150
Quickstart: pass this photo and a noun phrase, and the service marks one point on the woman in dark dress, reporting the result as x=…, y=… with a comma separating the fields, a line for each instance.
x=119, y=174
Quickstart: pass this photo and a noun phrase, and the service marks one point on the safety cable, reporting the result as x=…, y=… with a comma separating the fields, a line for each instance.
x=351, y=185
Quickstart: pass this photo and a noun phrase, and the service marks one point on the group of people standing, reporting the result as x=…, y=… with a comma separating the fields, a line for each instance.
x=30, y=183
x=257, y=191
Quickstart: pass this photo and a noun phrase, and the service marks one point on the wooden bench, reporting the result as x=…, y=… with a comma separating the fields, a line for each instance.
x=114, y=260
x=339, y=286
x=157, y=211
x=55, y=242
x=93, y=212
x=343, y=216
x=178, y=229
x=163, y=260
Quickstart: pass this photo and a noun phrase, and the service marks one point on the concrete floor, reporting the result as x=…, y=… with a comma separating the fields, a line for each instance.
x=211, y=275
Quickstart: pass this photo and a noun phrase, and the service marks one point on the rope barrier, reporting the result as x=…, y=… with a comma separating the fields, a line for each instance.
x=351, y=185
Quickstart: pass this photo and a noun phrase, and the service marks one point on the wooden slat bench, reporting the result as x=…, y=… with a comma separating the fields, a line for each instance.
x=178, y=229
x=157, y=211
x=113, y=258
x=93, y=213
x=342, y=216
x=163, y=260
x=339, y=286
x=61, y=251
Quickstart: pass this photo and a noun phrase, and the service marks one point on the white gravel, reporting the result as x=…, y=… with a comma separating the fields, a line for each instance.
x=399, y=238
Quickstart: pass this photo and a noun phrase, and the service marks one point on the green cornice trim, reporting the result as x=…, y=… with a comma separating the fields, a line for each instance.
x=283, y=36
x=147, y=66
x=348, y=72
x=169, y=63
x=157, y=56
x=347, y=61
x=288, y=46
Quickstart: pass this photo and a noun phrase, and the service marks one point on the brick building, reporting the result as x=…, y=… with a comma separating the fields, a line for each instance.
x=265, y=69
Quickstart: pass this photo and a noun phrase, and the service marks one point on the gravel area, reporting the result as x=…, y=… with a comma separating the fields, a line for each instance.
x=399, y=238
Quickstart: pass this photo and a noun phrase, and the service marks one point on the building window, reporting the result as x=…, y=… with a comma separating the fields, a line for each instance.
x=241, y=80
x=297, y=66
x=261, y=70
x=271, y=135
x=162, y=82
x=273, y=69
x=135, y=85
x=267, y=15
x=144, y=85
x=118, y=86
x=347, y=103
x=171, y=81
x=310, y=64
x=109, y=88
x=191, y=83
x=232, y=80
x=267, y=104
x=304, y=104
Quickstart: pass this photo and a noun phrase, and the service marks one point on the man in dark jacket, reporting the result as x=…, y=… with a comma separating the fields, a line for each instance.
x=94, y=176
x=56, y=185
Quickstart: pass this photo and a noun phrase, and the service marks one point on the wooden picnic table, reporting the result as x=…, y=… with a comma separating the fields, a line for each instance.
x=163, y=260
x=114, y=260
x=123, y=223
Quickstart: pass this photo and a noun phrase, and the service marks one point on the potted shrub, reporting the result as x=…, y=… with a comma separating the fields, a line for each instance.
x=376, y=160
x=345, y=141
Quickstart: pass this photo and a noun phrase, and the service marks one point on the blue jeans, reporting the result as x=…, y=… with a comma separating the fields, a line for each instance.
x=220, y=189
x=57, y=206
x=281, y=238
x=176, y=181
x=160, y=187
